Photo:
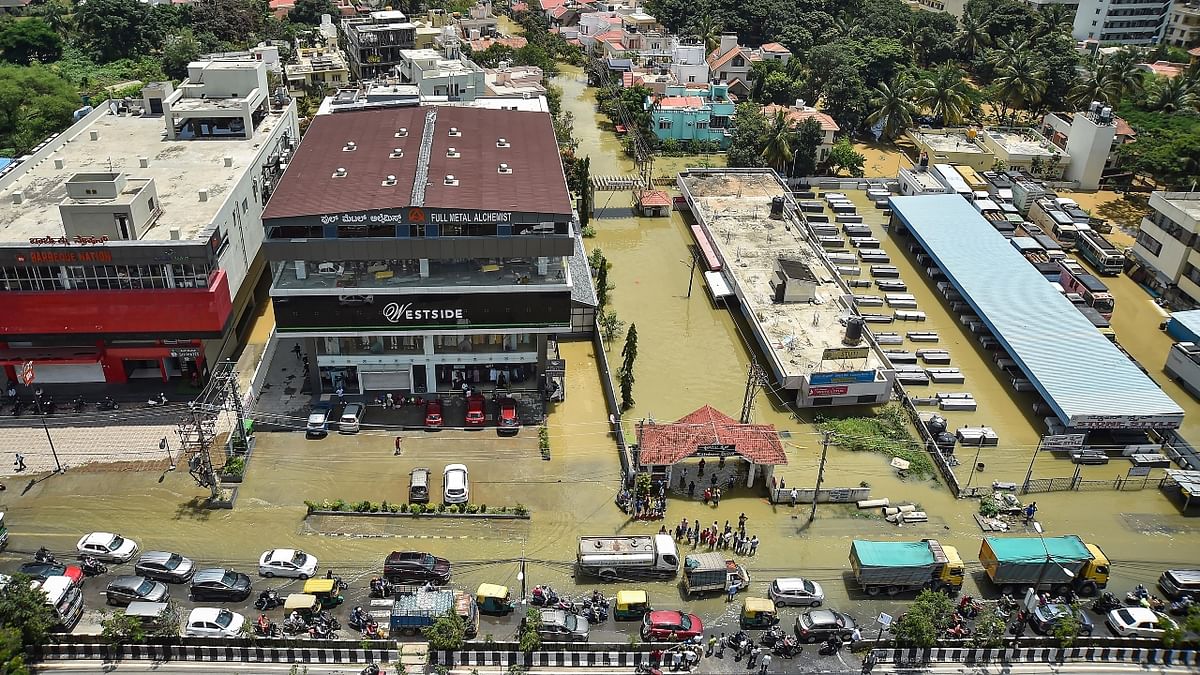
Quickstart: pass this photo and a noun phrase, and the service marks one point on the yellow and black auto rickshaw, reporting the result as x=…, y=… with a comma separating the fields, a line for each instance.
x=325, y=591
x=631, y=605
x=493, y=599
x=305, y=605
x=758, y=613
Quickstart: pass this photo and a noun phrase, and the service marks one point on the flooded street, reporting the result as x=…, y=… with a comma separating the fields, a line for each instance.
x=690, y=354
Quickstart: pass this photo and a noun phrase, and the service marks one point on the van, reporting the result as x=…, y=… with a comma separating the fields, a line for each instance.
x=418, y=486
x=1178, y=584
x=351, y=415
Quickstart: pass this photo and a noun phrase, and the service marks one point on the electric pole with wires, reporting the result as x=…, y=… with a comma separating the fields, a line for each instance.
x=826, y=438
x=756, y=379
x=198, y=431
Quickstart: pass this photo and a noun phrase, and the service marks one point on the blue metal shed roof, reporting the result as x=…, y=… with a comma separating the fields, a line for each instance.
x=1082, y=375
x=1185, y=326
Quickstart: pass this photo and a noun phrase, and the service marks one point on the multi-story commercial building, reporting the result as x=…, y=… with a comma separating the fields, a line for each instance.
x=1183, y=24
x=1166, y=247
x=1092, y=139
x=129, y=243
x=684, y=114
x=414, y=247
x=373, y=43
x=1127, y=22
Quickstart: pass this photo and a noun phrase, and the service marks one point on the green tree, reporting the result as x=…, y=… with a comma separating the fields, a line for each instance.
x=23, y=41
x=844, y=156
x=926, y=620
x=308, y=12
x=12, y=657
x=34, y=103
x=235, y=23
x=780, y=136
x=973, y=36
x=493, y=55
x=625, y=374
x=447, y=632
x=1170, y=95
x=118, y=628
x=809, y=137
x=602, y=284
x=114, y=29
x=749, y=137
x=527, y=636
x=1021, y=84
x=1066, y=629
x=989, y=628
x=24, y=609
x=610, y=324
x=56, y=13
x=180, y=49
x=894, y=107
x=944, y=94
x=846, y=97
x=708, y=29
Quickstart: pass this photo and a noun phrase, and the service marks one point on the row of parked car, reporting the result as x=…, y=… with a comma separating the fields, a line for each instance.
x=322, y=418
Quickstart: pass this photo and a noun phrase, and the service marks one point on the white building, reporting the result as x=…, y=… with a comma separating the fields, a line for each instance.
x=1127, y=22
x=955, y=7
x=1164, y=246
x=732, y=64
x=437, y=75
x=688, y=61
x=1183, y=24
x=1021, y=150
x=1090, y=138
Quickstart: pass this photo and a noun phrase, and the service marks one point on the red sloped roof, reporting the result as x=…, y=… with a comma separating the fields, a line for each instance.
x=775, y=47
x=797, y=116
x=654, y=198
x=547, y=4
x=670, y=443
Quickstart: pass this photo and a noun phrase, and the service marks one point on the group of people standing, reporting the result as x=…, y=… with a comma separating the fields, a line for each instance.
x=717, y=538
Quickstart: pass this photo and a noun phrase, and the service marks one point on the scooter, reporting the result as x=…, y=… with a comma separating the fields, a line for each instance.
x=92, y=567
x=381, y=588
x=321, y=631
x=294, y=626
x=1181, y=607
x=543, y=596
x=738, y=641
x=1106, y=603
x=787, y=647
x=78, y=404
x=831, y=646
x=268, y=599
x=157, y=401
x=266, y=628
x=371, y=630
x=107, y=404
x=371, y=669
x=44, y=555
x=358, y=618
x=773, y=635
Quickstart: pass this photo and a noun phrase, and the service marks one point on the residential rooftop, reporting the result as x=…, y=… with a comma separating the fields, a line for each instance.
x=735, y=210
x=180, y=170
x=924, y=178
x=421, y=148
x=1188, y=202
x=1018, y=143
x=949, y=141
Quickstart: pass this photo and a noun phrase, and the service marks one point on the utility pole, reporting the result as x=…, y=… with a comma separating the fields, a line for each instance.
x=755, y=379
x=37, y=400
x=1029, y=473
x=692, y=271
x=828, y=435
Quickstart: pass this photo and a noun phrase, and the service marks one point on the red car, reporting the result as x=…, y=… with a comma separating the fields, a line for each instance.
x=475, y=416
x=508, y=423
x=433, y=414
x=671, y=626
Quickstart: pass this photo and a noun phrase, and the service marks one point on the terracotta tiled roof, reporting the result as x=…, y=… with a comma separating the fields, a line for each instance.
x=480, y=44
x=715, y=62
x=680, y=102
x=654, y=198
x=614, y=36
x=775, y=48
x=520, y=7
x=550, y=4
x=1194, y=51
x=797, y=116
x=669, y=443
x=1123, y=128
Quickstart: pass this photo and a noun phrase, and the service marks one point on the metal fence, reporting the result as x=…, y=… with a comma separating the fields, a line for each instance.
x=1067, y=484
x=939, y=460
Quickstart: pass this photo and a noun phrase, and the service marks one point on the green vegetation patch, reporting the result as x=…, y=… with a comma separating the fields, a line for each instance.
x=886, y=432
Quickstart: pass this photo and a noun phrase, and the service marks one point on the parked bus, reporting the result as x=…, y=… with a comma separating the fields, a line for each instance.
x=1099, y=253
x=953, y=180
x=972, y=179
x=1095, y=294
x=63, y=596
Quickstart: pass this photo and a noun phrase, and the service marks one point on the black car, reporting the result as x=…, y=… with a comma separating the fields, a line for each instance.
x=821, y=624
x=408, y=567
x=40, y=571
x=220, y=585
x=171, y=568
x=126, y=589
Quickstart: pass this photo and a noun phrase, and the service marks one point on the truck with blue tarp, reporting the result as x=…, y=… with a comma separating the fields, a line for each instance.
x=900, y=566
x=1055, y=564
x=414, y=608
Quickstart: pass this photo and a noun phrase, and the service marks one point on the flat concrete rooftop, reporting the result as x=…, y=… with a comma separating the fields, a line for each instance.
x=1021, y=144
x=950, y=142
x=735, y=208
x=180, y=169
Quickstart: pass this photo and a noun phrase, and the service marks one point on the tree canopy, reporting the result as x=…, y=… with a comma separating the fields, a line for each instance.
x=34, y=103
x=23, y=41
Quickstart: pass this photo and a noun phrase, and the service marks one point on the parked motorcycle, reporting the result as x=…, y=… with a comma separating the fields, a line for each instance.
x=320, y=631
x=771, y=636
x=1106, y=603
x=44, y=555
x=831, y=646
x=268, y=599
x=107, y=404
x=294, y=626
x=78, y=404
x=787, y=647
x=91, y=566
x=16, y=409
x=157, y=401
x=371, y=669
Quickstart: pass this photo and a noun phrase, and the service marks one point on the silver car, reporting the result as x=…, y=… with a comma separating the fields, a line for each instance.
x=126, y=589
x=559, y=625
x=165, y=566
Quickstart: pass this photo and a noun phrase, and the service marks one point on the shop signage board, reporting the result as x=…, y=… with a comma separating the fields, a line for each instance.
x=1138, y=471
x=828, y=391
x=715, y=450
x=847, y=377
x=185, y=352
x=1064, y=441
x=837, y=353
x=1125, y=421
x=555, y=367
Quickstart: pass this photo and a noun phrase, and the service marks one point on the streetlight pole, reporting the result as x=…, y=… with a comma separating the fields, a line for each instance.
x=1029, y=473
x=37, y=402
x=163, y=445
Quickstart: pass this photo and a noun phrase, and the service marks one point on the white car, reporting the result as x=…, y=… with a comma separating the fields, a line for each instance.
x=1137, y=622
x=214, y=622
x=107, y=547
x=796, y=591
x=454, y=484
x=287, y=562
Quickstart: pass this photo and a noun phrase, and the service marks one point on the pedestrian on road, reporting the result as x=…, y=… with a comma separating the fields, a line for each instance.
x=399, y=446
x=754, y=544
x=754, y=654
x=773, y=482
x=742, y=523
x=691, y=489
x=341, y=394
x=707, y=496
x=296, y=350
x=733, y=589
x=721, y=647
x=713, y=480
x=794, y=495
x=855, y=637
x=782, y=486
x=717, y=497
x=1030, y=512
x=19, y=463
x=766, y=663
x=712, y=645
x=701, y=466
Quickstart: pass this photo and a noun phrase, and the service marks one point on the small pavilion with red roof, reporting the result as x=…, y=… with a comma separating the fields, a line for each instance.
x=709, y=433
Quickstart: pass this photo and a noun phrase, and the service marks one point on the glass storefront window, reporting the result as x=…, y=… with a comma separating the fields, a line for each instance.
x=390, y=344
x=484, y=343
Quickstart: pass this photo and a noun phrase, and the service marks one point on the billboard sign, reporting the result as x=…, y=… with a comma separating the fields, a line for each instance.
x=847, y=377
x=836, y=353
x=1064, y=441
x=828, y=391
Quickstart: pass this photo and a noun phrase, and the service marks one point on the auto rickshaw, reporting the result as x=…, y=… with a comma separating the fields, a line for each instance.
x=325, y=591
x=493, y=599
x=631, y=605
x=758, y=613
x=307, y=606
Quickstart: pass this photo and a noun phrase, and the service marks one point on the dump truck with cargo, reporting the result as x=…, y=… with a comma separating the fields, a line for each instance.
x=618, y=557
x=1055, y=564
x=415, y=607
x=900, y=566
x=713, y=573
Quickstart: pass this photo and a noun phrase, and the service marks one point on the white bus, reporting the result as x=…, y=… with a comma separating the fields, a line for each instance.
x=953, y=180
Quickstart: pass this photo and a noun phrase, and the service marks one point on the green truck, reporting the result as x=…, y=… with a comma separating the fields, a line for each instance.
x=1044, y=564
x=899, y=566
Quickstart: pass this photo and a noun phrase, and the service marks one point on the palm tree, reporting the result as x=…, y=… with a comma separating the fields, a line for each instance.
x=1171, y=94
x=845, y=27
x=1021, y=84
x=944, y=94
x=709, y=30
x=1052, y=19
x=1007, y=51
x=893, y=104
x=780, y=137
x=973, y=36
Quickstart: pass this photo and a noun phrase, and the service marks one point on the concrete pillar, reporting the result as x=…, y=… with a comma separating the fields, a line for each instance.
x=424, y=268
x=308, y=347
x=750, y=474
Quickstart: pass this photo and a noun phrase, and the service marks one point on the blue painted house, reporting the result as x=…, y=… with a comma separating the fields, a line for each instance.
x=685, y=114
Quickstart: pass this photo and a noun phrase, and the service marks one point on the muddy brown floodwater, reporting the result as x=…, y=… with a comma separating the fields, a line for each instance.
x=690, y=354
